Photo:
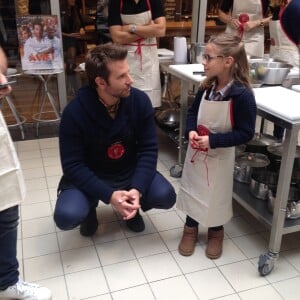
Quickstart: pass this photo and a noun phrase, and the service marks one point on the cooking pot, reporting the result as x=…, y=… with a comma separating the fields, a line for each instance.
x=271, y=72
x=293, y=205
x=260, y=142
x=275, y=153
x=246, y=162
x=169, y=118
x=261, y=182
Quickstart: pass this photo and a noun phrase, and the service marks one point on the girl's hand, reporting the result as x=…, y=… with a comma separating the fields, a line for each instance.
x=193, y=139
x=204, y=142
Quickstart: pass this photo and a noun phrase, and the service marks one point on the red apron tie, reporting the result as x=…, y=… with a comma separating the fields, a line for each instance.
x=138, y=49
x=202, y=130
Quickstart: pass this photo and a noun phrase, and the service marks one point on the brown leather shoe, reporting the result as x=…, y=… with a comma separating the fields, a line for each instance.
x=188, y=241
x=214, y=243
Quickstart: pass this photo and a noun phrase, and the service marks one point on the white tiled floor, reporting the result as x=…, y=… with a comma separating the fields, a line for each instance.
x=118, y=264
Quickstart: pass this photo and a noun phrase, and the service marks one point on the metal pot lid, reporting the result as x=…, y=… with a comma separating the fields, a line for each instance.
x=277, y=149
x=255, y=160
x=262, y=139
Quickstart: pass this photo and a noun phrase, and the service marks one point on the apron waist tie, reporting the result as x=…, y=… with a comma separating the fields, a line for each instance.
x=204, y=160
x=138, y=49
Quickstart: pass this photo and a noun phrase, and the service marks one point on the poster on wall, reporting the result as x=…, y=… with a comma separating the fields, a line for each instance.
x=40, y=42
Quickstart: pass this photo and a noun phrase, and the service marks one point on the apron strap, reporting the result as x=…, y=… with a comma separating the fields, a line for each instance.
x=231, y=113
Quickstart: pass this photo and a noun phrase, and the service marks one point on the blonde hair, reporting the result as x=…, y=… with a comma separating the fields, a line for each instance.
x=231, y=45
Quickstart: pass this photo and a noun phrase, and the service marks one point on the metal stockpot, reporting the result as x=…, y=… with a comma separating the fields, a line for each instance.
x=275, y=153
x=246, y=162
x=293, y=205
x=261, y=182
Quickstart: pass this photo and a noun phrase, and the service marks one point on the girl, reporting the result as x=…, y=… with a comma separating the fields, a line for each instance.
x=221, y=117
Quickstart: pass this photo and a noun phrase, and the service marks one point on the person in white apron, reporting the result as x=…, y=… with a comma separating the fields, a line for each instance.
x=281, y=47
x=246, y=19
x=136, y=24
x=221, y=117
x=12, y=191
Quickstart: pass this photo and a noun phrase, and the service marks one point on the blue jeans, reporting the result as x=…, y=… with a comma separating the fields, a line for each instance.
x=73, y=206
x=9, y=265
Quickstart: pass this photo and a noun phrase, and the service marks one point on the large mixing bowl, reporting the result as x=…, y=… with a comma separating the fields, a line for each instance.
x=272, y=73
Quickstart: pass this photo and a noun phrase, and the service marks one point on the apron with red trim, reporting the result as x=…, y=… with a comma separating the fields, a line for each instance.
x=143, y=59
x=12, y=186
x=253, y=39
x=281, y=47
x=205, y=193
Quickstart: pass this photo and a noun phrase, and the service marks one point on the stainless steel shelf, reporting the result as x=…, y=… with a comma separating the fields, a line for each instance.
x=258, y=208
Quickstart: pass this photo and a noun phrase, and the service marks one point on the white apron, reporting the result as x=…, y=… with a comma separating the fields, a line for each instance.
x=206, y=187
x=254, y=39
x=143, y=60
x=281, y=47
x=12, y=186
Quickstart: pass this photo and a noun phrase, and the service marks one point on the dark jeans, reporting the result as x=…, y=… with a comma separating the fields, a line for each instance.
x=9, y=265
x=190, y=222
x=73, y=205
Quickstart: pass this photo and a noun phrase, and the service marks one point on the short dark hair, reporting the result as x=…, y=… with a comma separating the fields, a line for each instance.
x=98, y=58
x=38, y=22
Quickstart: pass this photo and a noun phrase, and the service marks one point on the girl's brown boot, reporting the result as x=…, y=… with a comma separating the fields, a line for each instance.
x=188, y=241
x=214, y=243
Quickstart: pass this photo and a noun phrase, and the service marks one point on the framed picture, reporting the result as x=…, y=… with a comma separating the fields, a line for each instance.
x=40, y=42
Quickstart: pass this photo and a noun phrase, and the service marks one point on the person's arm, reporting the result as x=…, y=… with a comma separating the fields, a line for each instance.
x=192, y=115
x=72, y=154
x=145, y=131
x=257, y=23
x=3, y=61
x=224, y=12
x=3, y=69
x=225, y=17
x=122, y=34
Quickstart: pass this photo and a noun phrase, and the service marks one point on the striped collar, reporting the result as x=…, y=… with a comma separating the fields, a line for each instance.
x=219, y=95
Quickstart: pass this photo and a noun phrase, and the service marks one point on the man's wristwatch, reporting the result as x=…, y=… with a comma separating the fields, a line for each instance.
x=132, y=29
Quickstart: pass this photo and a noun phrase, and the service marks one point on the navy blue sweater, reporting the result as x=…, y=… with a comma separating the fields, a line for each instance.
x=85, y=126
x=244, y=116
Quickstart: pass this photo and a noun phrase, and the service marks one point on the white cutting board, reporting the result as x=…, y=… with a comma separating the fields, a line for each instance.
x=279, y=101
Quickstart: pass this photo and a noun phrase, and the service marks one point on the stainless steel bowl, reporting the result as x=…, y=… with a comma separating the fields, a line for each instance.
x=272, y=73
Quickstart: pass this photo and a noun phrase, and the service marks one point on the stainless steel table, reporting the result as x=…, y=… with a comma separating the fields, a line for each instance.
x=281, y=106
x=185, y=74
